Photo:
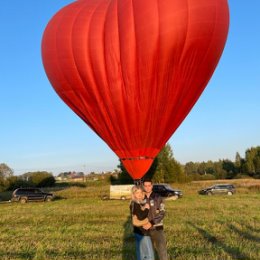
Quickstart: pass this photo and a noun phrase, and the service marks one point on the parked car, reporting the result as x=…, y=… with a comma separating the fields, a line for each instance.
x=165, y=190
x=218, y=189
x=24, y=195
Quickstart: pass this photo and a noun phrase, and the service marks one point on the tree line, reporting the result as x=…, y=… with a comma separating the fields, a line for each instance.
x=165, y=168
x=227, y=169
x=30, y=179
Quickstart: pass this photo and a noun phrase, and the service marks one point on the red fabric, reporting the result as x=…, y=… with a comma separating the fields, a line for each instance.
x=137, y=166
x=133, y=69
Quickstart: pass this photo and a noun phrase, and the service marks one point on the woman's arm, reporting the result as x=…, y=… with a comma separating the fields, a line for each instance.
x=139, y=223
x=140, y=213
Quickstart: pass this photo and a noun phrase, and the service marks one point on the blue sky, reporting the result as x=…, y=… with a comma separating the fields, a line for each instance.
x=39, y=132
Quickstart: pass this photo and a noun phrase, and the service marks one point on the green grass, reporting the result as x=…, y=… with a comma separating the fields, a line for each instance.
x=84, y=227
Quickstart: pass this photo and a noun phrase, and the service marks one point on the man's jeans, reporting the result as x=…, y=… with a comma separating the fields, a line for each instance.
x=159, y=243
x=144, y=247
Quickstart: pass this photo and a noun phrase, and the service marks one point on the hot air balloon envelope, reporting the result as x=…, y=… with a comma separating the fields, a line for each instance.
x=132, y=70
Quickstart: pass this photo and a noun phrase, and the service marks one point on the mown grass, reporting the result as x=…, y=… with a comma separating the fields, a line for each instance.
x=82, y=226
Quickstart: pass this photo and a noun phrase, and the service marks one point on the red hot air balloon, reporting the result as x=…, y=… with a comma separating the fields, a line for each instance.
x=133, y=69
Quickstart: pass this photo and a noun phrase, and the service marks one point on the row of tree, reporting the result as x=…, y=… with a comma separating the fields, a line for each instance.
x=227, y=169
x=30, y=179
x=166, y=169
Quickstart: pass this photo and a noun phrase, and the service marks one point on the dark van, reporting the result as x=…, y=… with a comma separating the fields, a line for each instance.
x=165, y=190
x=24, y=195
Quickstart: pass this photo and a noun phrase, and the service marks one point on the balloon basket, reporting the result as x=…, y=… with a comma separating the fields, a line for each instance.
x=138, y=182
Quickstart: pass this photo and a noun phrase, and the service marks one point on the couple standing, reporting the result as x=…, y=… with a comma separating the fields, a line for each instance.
x=147, y=210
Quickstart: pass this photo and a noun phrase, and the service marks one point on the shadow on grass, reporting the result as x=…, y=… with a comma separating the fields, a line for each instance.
x=73, y=253
x=253, y=229
x=235, y=253
x=244, y=234
x=18, y=255
x=128, y=250
x=5, y=196
x=58, y=197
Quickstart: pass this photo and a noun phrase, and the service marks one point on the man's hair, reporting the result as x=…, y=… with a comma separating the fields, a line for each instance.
x=147, y=180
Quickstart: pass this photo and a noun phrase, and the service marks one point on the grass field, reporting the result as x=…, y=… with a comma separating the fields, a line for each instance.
x=82, y=226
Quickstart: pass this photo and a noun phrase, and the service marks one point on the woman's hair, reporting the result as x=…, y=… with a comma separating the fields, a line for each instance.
x=134, y=189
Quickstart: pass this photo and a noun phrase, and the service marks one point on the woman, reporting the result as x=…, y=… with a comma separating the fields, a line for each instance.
x=139, y=211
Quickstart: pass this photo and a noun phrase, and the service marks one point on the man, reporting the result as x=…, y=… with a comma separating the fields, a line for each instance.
x=155, y=216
